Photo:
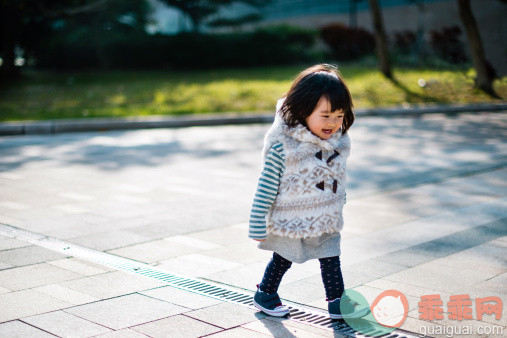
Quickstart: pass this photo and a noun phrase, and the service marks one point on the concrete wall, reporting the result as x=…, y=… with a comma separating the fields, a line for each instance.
x=490, y=16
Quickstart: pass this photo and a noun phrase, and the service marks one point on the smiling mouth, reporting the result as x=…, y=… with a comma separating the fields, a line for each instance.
x=327, y=131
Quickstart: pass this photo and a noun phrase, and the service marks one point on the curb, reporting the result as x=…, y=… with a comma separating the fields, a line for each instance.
x=127, y=123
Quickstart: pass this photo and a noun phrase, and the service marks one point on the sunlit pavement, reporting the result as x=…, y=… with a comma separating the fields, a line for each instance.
x=426, y=214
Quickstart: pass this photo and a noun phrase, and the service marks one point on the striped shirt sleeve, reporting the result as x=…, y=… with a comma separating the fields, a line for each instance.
x=267, y=189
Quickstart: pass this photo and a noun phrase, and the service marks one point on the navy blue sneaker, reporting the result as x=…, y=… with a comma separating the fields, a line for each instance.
x=269, y=303
x=349, y=309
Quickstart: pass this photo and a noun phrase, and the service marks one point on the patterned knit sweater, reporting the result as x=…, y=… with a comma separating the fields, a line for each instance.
x=301, y=190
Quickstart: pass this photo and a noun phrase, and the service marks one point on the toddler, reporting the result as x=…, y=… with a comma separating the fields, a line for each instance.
x=297, y=208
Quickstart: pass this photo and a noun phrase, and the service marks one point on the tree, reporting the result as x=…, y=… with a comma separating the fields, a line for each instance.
x=484, y=80
x=380, y=39
x=199, y=10
x=25, y=23
x=235, y=22
x=102, y=24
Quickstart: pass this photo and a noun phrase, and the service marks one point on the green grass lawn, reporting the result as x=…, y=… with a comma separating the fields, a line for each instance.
x=42, y=95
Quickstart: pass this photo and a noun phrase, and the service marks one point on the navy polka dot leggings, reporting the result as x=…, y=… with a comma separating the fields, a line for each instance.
x=329, y=267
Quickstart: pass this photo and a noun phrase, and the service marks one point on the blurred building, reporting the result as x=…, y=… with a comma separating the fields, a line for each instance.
x=399, y=15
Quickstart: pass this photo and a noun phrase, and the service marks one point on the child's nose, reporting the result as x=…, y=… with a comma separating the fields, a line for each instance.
x=333, y=121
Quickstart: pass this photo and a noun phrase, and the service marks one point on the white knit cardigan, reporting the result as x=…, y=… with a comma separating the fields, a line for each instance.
x=311, y=194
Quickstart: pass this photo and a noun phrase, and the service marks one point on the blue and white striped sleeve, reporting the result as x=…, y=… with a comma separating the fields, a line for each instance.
x=267, y=189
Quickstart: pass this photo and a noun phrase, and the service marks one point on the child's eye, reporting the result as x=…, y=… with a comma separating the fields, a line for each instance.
x=326, y=116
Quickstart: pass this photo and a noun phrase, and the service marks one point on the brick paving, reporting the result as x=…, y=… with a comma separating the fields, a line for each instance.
x=426, y=214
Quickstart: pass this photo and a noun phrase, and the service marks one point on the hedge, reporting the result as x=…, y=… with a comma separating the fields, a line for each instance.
x=265, y=46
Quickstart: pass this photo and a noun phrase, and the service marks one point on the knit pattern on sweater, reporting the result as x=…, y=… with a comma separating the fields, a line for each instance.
x=311, y=194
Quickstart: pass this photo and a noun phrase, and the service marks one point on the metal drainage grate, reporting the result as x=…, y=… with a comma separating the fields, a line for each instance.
x=298, y=313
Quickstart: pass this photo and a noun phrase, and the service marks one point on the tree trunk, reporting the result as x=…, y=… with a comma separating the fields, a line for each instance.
x=196, y=24
x=100, y=48
x=352, y=14
x=483, y=80
x=416, y=53
x=380, y=39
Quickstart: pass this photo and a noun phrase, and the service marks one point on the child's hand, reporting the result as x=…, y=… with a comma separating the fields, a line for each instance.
x=259, y=240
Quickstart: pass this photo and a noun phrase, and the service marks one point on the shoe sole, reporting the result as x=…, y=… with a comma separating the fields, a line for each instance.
x=273, y=313
x=357, y=314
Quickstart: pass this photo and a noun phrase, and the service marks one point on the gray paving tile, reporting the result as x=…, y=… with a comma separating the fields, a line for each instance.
x=447, y=245
x=408, y=257
x=109, y=240
x=110, y=209
x=197, y=265
x=223, y=236
x=301, y=292
x=34, y=215
x=66, y=294
x=246, y=277
x=491, y=254
x=383, y=211
x=463, y=240
x=226, y=315
x=238, y=332
x=111, y=284
x=285, y=328
x=244, y=252
x=320, y=304
x=16, y=206
x=74, y=226
x=17, y=329
x=154, y=251
x=374, y=267
x=440, y=277
x=425, y=237
x=28, y=255
x=34, y=275
x=177, y=326
x=496, y=284
x=4, y=219
x=124, y=333
x=407, y=289
x=79, y=266
x=92, y=264
x=192, y=242
x=25, y=303
x=315, y=279
x=153, y=226
x=7, y=243
x=299, y=271
x=64, y=324
x=126, y=311
x=181, y=297
x=5, y=266
x=353, y=279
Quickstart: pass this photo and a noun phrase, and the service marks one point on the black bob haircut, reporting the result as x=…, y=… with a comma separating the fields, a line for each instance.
x=312, y=84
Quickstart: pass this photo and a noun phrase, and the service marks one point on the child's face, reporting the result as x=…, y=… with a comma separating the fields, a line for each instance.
x=323, y=122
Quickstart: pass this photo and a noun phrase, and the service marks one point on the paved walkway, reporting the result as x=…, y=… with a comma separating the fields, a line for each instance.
x=426, y=214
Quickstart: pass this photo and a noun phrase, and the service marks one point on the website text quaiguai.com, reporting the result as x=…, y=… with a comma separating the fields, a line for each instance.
x=462, y=330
